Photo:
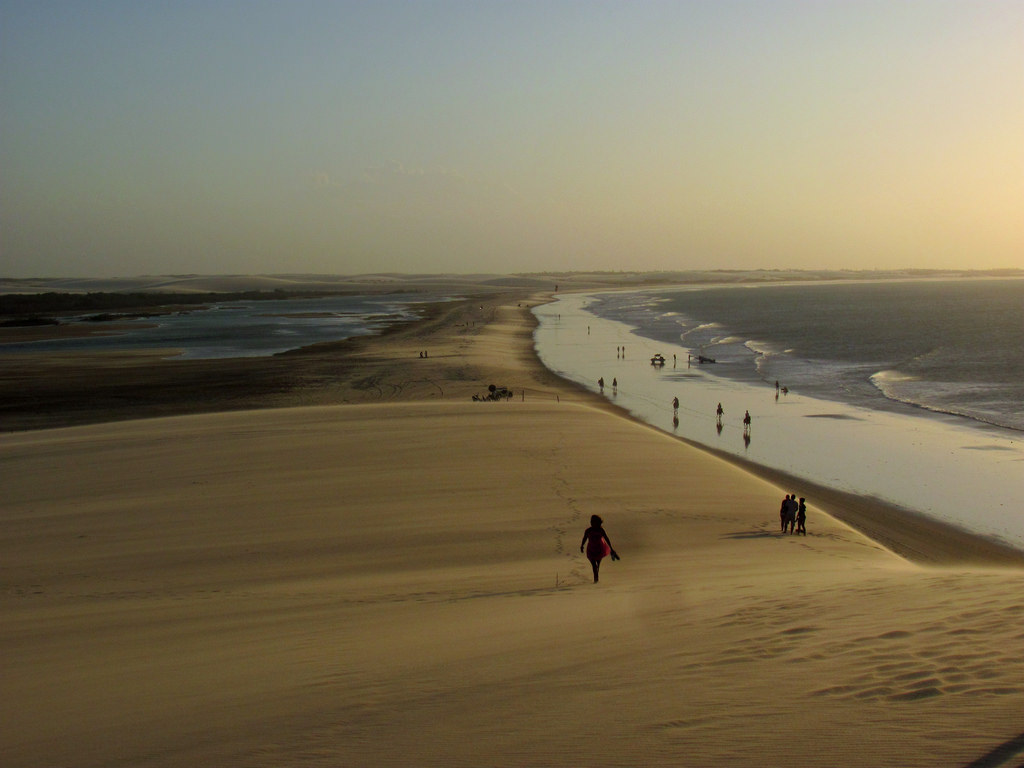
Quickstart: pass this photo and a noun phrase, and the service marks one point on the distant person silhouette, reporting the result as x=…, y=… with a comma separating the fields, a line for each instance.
x=597, y=544
x=791, y=508
x=801, y=517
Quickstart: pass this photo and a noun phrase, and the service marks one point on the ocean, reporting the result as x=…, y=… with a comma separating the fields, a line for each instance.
x=246, y=328
x=954, y=347
x=910, y=391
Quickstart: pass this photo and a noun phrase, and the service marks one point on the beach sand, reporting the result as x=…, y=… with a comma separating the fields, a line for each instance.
x=396, y=580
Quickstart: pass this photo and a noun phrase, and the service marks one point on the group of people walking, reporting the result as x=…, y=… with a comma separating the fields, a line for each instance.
x=793, y=514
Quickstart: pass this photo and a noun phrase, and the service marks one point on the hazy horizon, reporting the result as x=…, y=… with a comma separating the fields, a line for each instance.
x=324, y=137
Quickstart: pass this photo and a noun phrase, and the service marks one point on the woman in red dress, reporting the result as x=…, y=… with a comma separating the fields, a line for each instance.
x=597, y=543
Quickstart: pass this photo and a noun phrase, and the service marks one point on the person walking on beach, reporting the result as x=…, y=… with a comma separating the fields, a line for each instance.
x=784, y=512
x=720, y=413
x=746, y=423
x=597, y=544
x=791, y=510
x=801, y=517
x=675, y=403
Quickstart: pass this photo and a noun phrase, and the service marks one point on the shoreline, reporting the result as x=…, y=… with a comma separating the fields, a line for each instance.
x=916, y=537
x=840, y=460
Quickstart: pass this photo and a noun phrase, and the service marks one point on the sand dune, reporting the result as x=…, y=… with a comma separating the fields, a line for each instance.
x=400, y=583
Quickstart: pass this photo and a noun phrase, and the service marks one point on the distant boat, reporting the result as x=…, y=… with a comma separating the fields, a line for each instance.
x=657, y=360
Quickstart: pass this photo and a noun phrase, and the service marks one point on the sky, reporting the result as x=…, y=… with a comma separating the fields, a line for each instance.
x=331, y=137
